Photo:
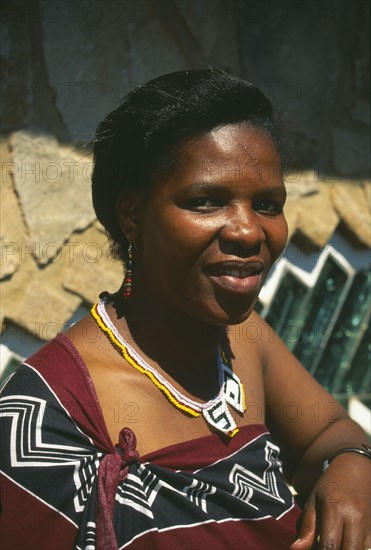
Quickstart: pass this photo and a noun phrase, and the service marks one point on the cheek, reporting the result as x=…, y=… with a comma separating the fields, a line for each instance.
x=181, y=235
x=170, y=243
x=278, y=237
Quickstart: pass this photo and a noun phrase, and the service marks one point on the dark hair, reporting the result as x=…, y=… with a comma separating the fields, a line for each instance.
x=140, y=139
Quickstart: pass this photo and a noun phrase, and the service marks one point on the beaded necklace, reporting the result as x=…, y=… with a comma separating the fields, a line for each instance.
x=215, y=411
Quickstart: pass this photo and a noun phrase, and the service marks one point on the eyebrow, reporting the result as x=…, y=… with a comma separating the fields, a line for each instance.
x=204, y=186
x=277, y=191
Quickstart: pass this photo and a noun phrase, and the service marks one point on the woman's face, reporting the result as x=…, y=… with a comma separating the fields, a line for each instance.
x=211, y=230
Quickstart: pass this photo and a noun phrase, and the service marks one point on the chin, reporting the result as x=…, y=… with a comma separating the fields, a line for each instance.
x=238, y=319
x=224, y=316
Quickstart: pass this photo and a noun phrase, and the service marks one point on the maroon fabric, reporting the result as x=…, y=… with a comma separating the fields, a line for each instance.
x=36, y=526
x=62, y=366
x=113, y=469
x=229, y=535
x=27, y=523
x=188, y=455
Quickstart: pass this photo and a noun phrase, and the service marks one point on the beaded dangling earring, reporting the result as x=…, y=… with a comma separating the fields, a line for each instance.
x=128, y=272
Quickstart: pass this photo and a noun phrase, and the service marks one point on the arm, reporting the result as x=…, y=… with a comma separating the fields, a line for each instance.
x=310, y=425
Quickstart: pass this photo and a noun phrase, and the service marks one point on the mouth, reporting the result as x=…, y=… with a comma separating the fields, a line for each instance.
x=238, y=271
x=237, y=277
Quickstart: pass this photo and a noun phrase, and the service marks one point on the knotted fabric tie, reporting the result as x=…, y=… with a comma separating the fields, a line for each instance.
x=112, y=470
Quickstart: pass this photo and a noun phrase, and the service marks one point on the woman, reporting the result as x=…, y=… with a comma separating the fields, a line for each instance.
x=156, y=422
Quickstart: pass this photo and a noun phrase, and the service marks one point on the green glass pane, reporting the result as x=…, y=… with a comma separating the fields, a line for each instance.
x=366, y=401
x=343, y=399
x=258, y=307
x=358, y=378
x=347, y=333
x=287, y=307
x=11, y=365
x=323, y=301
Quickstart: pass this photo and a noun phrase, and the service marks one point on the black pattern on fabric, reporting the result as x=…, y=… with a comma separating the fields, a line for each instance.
x=51, y=458
x=45, y=445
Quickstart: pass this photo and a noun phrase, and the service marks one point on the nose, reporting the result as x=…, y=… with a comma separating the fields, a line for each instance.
x=243, y=232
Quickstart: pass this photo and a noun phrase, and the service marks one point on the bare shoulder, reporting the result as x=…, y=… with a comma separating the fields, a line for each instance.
x=89, y=340
x=254, y=336
x=259, y=352
x=297, y=407
x=247, y=342
x=285, y=378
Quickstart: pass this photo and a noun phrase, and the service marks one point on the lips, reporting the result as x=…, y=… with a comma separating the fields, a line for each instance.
x=237, y=277
x=235, y=270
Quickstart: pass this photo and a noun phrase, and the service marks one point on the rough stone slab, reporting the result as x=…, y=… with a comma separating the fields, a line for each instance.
x=87, y=55
x=10, y=261
x=351, y=151
x=99, y=226
x=44, y=311
x=203, y=20
x=291, y=216
x=14, y=288
x=54, y=189
x=152, y=57
x=18, y=295
x=349, y=202
x=27, y=94
x=302, y=183
x=361, y=111
x=12, y=226
x=91, y=270
x=367, y=191
x=316, y=217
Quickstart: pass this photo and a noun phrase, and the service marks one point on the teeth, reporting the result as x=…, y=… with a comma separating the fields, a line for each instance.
x=239, y=273
x=235, y=272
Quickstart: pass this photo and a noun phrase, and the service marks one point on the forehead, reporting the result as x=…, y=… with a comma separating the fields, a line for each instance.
x=227, y=149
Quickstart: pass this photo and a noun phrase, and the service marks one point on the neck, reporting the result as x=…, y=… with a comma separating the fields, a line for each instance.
x=183, y=348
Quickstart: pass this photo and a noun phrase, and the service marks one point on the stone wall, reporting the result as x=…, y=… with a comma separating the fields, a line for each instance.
x=67, y=63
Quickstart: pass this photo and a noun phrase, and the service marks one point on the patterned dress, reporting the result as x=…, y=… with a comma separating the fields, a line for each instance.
x=65, y=486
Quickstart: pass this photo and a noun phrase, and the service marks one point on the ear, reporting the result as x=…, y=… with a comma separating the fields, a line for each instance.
x=128, y=205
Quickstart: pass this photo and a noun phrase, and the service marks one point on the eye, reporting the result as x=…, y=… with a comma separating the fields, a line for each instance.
x=268, y=206
x=202, y=204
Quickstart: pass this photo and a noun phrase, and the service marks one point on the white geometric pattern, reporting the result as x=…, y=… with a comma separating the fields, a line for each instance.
x=27, y=448
x=246, y=482
x=232, y=389
x=90, y=535
x=198, y=492
x=141, y=492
